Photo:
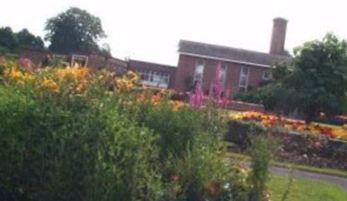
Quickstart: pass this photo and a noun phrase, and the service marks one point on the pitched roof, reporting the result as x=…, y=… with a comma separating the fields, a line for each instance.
x=231, y=54
x=151, y=66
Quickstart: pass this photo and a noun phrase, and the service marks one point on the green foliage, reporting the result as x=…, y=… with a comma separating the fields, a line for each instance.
x=7, y=39
x=111, y=145
x=177, y=129
x=11, y=42
x=241, y=132
x=261, y=152
x=74, y=30
x=202, y=173
x=55, y=152
x=26, y=39
x=192, y=156
x=319, y=77
x=315, y=81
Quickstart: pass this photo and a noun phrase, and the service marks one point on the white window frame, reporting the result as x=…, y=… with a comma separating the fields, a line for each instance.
x=199, y=63
x=246, y=76
x=79, y=59
x=163, y=78
x=224, y=69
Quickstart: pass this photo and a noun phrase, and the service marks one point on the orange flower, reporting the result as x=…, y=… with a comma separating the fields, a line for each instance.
x=156, y=99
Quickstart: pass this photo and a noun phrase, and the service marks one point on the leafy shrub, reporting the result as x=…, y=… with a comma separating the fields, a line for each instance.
x=64, y=137
x=202, y=173
x=191, y=150
x=261, y=152
x=241, y=132
x=51, y=152
x=273, y=96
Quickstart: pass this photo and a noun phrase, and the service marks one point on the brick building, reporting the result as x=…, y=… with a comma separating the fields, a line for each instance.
x=153, y=74
x=94, y=61
x=240, y=69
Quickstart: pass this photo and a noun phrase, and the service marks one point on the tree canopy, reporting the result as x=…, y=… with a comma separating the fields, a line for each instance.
x=74, y=30
x=319, y=76
x=11, y=41
x=26, y=39
x=314, y=82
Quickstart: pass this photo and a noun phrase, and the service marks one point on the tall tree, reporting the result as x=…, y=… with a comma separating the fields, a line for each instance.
x=319, y=77
x=314, y=82
x=74, y=30
x=12, y=42
x=7, y=39
x=26, y=39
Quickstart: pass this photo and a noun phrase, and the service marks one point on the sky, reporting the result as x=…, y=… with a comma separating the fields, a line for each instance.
x=151, y=29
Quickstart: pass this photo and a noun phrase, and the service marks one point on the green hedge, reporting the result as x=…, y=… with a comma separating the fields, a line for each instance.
x=51, y=152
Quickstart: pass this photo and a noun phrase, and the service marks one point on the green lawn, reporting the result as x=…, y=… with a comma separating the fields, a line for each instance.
x=329, y=171
x=306, y=190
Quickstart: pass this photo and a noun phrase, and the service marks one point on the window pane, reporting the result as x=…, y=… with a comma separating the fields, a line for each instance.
x=223, y=74
x=243, y=81
x=199, y=70
x=244, y=71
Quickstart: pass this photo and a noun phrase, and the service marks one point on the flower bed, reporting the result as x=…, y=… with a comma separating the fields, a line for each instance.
x=315, y=144
x=270, y=120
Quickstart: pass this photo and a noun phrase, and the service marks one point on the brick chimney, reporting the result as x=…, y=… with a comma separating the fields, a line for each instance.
x=278, y=36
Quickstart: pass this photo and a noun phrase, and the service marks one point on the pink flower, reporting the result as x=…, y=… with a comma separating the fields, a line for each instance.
x=196, y=99
x=216, y=86
x=25, y=63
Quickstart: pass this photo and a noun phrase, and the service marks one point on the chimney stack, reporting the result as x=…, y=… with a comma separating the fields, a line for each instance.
x=278, y=36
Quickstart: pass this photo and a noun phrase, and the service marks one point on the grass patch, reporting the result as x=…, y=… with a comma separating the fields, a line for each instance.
x=305, y=189
x=328, y=171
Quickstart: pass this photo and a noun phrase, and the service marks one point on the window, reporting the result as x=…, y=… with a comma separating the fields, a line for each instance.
x=243, y=79
x=199, y=70
x=79, y=60
x=223, y=74
x=154, y=78
x=267, y=75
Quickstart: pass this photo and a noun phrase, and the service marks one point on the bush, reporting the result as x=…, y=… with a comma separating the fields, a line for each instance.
x=273, y=96
x=64, y=137
x=241, y=132
x=50, y=152
x=191, y=151
x=177, y=129
x=202, y=173
x=261, y=152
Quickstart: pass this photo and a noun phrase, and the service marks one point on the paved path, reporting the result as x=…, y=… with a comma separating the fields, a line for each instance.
x=310, y=175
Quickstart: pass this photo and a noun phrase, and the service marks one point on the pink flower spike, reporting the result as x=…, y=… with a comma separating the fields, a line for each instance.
x=216, y=87
x=196, y=99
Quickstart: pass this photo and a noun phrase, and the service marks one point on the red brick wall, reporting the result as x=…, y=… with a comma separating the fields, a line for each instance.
x=186, y=67
x=35, y=56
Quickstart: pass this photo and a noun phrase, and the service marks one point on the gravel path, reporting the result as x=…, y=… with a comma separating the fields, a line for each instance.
x=310, y=175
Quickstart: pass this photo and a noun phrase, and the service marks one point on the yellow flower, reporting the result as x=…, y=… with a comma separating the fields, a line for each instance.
x=132, y=76
x=50, y=85
x=13, y=73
